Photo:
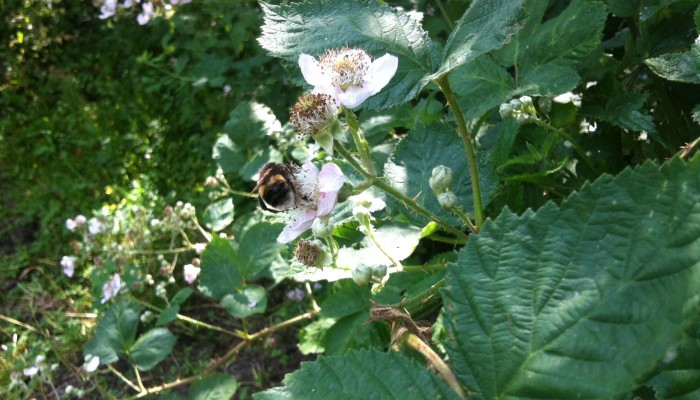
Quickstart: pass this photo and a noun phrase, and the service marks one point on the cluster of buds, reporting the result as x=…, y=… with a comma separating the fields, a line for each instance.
x=440, y=182
x=363, y=274
x=521, y=109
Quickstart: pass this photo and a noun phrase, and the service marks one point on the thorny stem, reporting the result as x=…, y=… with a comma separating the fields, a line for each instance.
x=226, y=358
x=436, y=362
x=465, y=217
x=191, y=320
x=396, y=194
x=462, y=131
x=688, y=148
x=123, y=378
x=396, y=263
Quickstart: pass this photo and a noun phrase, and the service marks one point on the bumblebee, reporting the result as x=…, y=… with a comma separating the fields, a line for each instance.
x=276, y=190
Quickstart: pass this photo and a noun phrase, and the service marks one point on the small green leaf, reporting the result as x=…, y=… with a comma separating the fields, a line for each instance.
x=311, y=336
x=593, y=292
x=219, y=214
x=355, y=332
x=213, y=387
x=626, y=111
x=182, y=295
x=347, y=299
x=220, y=274
x=168, y=315
x=680, y=67
x=249, y=123
x=151, y=348
x=364, y=374
x=115, y=333
x=249, y=301
x=313, y=27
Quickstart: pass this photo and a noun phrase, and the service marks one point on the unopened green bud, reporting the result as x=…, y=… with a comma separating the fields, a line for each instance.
x=361, y=274
x=516, y=104
x=379, y=271
x=441, y=179
x=322, y=229
x=522, y=118
x=344, y=192
x=447, y=200
x=506, y=110
x=361, y=214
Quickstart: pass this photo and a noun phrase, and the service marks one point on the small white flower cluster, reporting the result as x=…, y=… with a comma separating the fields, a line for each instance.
x=295, y=294
x=148, y=10
x=521, y=109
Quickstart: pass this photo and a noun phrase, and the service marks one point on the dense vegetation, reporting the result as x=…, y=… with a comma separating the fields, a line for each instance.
x=507, y=209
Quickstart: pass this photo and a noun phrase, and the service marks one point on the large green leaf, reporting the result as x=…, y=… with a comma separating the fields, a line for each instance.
x=115, y=333
x=681, y=67
x=624, y=110
x=219, y=214
x=579, y=300
x=544, y=54
x=220, y=273
x=151, y=348
x=412, y=163
x=364, y=374
x=214, y=387
x=313, y=27
x=487, y=25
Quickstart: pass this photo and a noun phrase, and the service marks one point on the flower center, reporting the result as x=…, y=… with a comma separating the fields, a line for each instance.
x=346, y=67
x=312, y=113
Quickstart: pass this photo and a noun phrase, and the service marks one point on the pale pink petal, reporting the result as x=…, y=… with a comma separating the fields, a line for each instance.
x=326, y=203
x=380, y=73
x=354, y=96
x=330, y=178
x=297, y=227
x=312, y=72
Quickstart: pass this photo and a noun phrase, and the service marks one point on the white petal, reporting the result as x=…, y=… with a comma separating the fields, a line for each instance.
x=311, y=70
x=354, y=96
x=380, y=72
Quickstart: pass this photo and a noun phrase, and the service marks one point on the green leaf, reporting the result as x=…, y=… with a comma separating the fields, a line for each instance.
x=220, y=273
x=219, y=214
x=679, y=378
x=259, y=250
x=182, y=295
x=545, y=54
x=115, y=333
x=680, y=67
x=261, y=157
x=313, y=27
x=487, y=25
x=249, y=301
x=625, y=110
x=696, y=114
x=364, y=374
x=355, y=332
x=412, y=163
x=312, y=335
x=168, y=315
x=578, y=300
x=249, y=123
x=151, y=348
x=213, y=387
x=228, y=155
x=347, y=299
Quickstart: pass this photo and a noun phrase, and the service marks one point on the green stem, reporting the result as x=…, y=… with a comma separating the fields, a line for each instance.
x=445, y=15
x=465, y=217
x=360, y=141
x=563, y=134
x=396, y=194
x=462, y=131
x=688, y=148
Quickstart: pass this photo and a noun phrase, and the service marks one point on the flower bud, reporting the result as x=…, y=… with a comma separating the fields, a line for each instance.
x=322, y=229
x=506, y=110
x=516, y=104
x=441, y=179
x=344, y=192
x=522, y=118
x=447, y=200
x=362, y=215
x=361, y=274
x=311, y=253
x=379, y=271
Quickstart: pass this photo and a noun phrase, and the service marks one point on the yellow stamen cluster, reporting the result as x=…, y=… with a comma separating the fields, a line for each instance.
x=312, y=113
x=347, y=67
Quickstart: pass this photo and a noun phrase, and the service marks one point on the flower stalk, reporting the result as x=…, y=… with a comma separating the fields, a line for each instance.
x=408, y=202
x=360, y=142
x=462, y=131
